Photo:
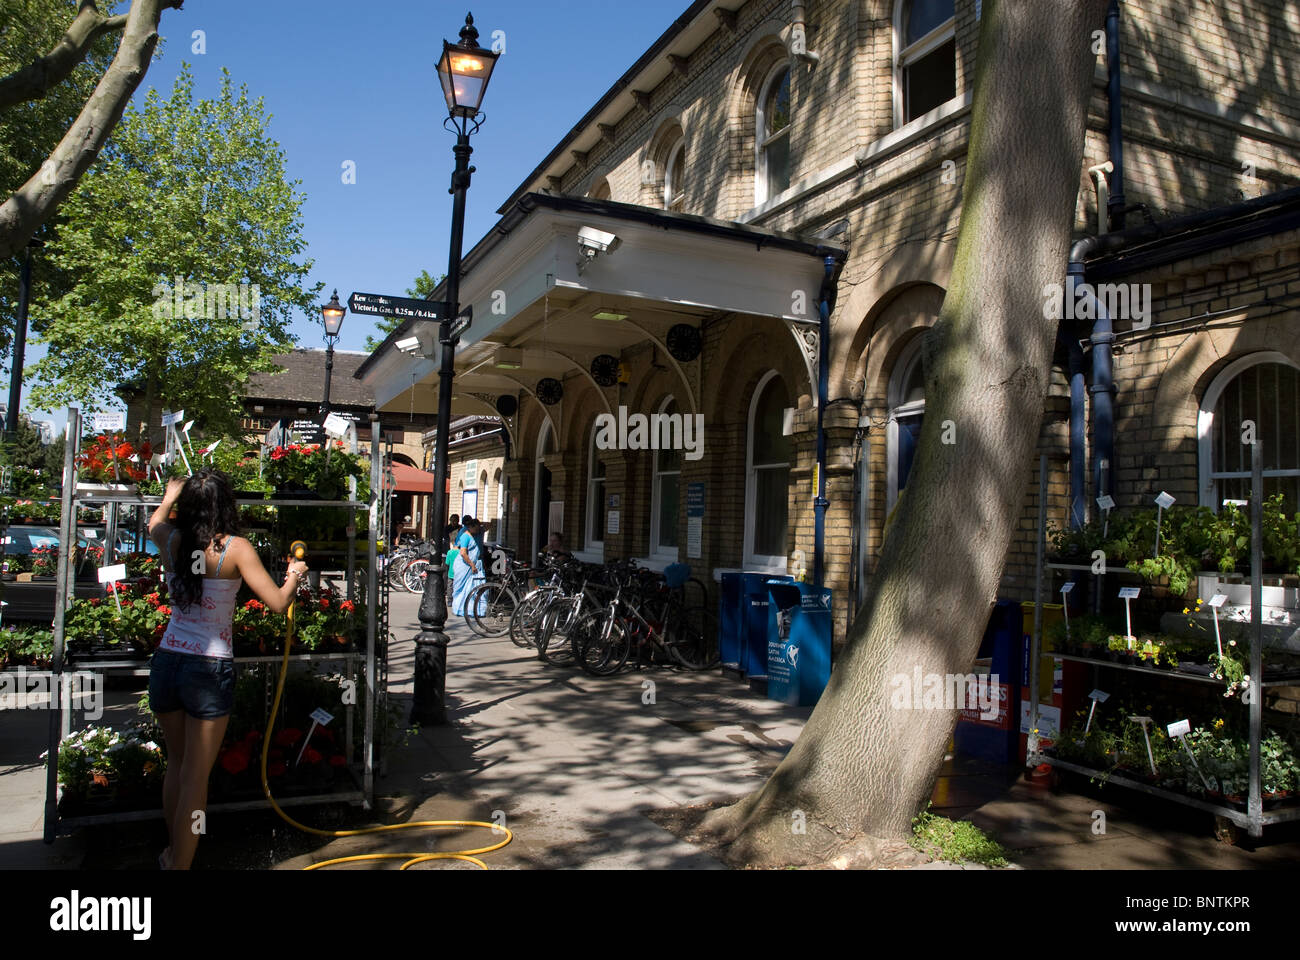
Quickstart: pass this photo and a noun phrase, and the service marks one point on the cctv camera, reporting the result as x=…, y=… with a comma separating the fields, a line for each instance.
x=409, y=345
x=593, y=241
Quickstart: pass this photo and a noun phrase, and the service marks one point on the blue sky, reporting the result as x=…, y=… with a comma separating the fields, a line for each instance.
x=354, y=81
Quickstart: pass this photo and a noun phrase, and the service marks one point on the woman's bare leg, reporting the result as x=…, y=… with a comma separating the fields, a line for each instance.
x=173, y=727
x=202, y=743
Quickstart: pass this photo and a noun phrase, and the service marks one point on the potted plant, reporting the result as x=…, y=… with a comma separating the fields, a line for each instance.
x=112, y=464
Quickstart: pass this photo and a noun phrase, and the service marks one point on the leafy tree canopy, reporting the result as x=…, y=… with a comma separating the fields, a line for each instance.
x=184, y=240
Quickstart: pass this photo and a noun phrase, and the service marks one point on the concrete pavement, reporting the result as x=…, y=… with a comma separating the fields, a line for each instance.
x=573, y=763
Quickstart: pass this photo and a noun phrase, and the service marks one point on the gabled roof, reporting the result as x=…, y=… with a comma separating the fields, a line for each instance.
x=302, y=380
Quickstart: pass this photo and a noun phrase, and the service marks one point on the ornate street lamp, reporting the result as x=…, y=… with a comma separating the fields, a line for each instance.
x=464, y=71
x=332, y=313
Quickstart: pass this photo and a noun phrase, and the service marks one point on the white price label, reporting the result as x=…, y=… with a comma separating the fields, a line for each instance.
x=1164, y=500
x=1129, y=593
x=336, y=426
x=186, y=429
x=112, y=574
x=321, y=717
x=208, y=449
x=92, y=534
x=171, y=419
x=1107, y=502
x=1101, y=696
x=1180, y=729
x=1218, y=600
x=1067, y=587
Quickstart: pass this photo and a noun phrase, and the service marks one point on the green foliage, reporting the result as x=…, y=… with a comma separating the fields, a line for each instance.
x=188, y=190
x=30, y=29
x=956, y=841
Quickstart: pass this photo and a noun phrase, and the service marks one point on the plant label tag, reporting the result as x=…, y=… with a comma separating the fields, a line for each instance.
x=1067, y=587
x=336, y=426
x=112, y=574
x=186, y=429
x=1218, y=600
x=1107, y=502
x=1129, y=593
x=321, y=717
x=170, y=419
x=1236, y=503
x=208, y=449
x=1101, y=696
x=1180, y=729
x=1164, y=501
x=92, y=534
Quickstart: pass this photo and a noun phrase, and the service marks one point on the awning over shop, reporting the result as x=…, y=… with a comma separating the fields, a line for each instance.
x=411, y=480
x=563, y=279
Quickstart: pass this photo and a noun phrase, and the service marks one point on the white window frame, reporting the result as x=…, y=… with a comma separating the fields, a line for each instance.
x=759, y=563
x=1205, y=425
x=673, y=201
x=903, y=371
x=595, y=502
x=905, y=57
x=657, y=552
x=761, y=141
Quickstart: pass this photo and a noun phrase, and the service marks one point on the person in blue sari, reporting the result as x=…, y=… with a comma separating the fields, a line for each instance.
x=467, y=571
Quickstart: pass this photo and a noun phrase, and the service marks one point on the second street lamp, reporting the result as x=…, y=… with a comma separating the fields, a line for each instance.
x=332, y=313
x=464, y=71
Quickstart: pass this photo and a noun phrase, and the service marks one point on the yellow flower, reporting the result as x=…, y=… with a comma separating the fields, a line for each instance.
x=1185, y=610
x=1218, y=724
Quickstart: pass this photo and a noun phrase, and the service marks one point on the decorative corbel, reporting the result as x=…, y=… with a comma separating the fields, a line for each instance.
x=807, y=336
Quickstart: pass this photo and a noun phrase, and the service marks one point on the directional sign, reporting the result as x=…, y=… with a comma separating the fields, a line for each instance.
x=378, y=305
x=462, y=323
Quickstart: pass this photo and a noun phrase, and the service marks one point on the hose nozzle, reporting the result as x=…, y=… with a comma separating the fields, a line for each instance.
x=298, y=550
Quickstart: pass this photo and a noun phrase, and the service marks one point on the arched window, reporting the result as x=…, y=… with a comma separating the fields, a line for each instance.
x=906, y=411
x=674, y=174
x=772, y=128
x=1262, y=389
x=926, y=74
x=665, y=496
x=600, y=190
x=595, y=496
x=767, y=473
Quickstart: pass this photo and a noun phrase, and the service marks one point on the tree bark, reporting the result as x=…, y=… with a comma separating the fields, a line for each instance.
x=36, y=200
x=37, y=78
x=865, y=764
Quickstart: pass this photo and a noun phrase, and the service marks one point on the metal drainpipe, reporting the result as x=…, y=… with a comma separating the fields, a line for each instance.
x=1117, y=203
x=1078, y=455
x=826, y=303
x=1103, y=386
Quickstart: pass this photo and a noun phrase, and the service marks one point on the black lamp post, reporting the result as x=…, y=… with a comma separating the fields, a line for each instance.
x=332, y=313
x=464, y=71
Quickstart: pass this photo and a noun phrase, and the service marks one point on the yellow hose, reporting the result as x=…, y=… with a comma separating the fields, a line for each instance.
x=411, y=858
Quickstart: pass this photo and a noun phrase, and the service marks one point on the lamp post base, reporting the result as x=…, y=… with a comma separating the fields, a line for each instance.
x=429, y=707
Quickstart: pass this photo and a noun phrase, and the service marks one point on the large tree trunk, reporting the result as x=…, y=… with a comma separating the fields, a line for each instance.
x=37, y=78
x=863, y=767
x=37, y=199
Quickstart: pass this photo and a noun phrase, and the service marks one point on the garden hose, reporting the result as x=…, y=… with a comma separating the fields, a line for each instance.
x=299, y=550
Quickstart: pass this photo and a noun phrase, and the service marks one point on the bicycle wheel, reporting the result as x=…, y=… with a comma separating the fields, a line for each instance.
x=488, y=609
x=551, y=636
x=396, y=566
x=600, y=646
x=524, y=619
x=689, y=638
x=413, y=577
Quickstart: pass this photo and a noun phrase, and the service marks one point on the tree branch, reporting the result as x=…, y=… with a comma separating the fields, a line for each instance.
x=37, y=199
x=37, y=79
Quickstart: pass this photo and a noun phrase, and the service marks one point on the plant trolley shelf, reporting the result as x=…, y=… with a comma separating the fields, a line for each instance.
x=1239, y=796
x=361, y=672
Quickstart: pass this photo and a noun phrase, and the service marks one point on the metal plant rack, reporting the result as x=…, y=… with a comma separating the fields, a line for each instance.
x=1254, y=818
x=361, y=789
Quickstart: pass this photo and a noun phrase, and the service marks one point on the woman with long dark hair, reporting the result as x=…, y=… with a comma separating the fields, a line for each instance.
x=192, y=675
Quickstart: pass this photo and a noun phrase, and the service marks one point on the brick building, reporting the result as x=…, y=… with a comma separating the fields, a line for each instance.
x=753, y=166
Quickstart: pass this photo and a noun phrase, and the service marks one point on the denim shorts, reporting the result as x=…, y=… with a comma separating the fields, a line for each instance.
x=204, y=687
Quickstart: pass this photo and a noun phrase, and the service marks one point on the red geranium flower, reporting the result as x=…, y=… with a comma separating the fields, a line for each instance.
x=288, y=737
x=338, y=760
x=254, y=604
x=324, y=603
x=165, y=611
x=235, y=760
x=311, y=756
x=253, y=736
x=347, y=606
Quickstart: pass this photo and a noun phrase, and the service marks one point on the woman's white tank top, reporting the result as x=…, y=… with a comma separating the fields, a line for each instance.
x=206, y=629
